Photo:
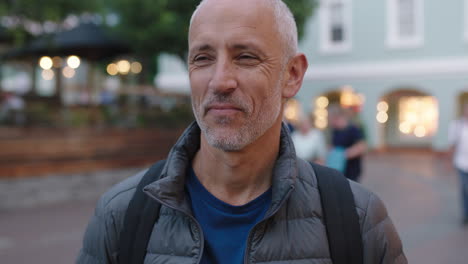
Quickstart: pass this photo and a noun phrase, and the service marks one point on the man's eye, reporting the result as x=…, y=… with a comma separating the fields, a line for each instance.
x=247, y=57
x=247, y=60
x=200, y=58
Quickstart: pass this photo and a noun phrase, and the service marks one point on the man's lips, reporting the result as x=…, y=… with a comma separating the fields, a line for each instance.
x=223, y=109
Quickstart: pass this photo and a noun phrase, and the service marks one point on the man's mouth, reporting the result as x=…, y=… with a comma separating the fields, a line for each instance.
x=223, y=109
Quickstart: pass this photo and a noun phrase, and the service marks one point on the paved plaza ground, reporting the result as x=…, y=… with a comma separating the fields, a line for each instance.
x=43, y=220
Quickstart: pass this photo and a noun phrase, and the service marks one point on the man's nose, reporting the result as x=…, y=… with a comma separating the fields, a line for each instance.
x=223, y=79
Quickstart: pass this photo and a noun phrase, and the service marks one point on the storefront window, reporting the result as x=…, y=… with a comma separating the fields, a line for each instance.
x=418, y=115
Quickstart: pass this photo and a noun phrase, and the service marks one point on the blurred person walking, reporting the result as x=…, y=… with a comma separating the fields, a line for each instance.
x=458, y=138
x=309, y=142
x=12, y=109
x=347, y=143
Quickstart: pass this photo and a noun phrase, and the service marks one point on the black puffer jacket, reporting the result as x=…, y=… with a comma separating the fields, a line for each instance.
x=292, y=231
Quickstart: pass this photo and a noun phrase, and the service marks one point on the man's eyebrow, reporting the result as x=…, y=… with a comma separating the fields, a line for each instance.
x=202, y=47
x=249, y=46
x=244, y=46
x=241, y=46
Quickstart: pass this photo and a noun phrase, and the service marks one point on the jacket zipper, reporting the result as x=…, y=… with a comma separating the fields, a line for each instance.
x=249, y=237
x=202, y=239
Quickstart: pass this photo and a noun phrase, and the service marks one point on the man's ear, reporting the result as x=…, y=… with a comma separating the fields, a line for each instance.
x=294, y=75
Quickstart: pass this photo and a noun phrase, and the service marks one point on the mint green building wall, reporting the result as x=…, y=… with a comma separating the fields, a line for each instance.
x=443, y=27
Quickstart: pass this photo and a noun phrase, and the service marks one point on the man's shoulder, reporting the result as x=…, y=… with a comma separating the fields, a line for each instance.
x=117, y=198
x=362, y=195
x=370, y=208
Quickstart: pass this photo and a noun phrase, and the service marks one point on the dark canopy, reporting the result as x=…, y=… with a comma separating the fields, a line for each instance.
x=5, y=36
x=86, y=40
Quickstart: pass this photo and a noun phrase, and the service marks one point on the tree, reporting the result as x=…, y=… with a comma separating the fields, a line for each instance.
x=156, y=26
x=302, y=9
x=25, y=17
x=153, y=27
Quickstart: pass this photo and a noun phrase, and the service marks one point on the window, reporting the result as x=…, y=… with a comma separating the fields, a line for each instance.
x=335, y=25
x=405, y=23
x=406, y=19
x=465, y=28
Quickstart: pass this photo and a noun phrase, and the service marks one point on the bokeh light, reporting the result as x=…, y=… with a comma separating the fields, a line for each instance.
x=292, y=110
x=73, y=61
x=382, y=117
x=420, y=131
x=382, y=106
x=347, y=96
x=57, y=62
x=68, y=72
x=322, y=102
x=46, y=62
x=47, y=74
x=112, y=69
x=321, y=112
x=405, y=127
x=321, y=122
x=136, y=67
x=123, y=66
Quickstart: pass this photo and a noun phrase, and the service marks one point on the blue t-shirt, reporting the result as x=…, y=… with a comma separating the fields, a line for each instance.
x=225, y=227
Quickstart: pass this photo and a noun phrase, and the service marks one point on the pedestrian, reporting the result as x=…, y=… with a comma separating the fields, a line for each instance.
x=458, y=138
x=309, y=142
x=12, y=109
x=346, y=139
x=232, y=189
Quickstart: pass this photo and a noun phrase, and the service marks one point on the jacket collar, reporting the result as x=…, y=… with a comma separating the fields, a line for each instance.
x=170, y=188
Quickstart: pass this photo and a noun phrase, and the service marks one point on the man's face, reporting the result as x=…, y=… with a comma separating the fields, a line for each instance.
x=235, y=69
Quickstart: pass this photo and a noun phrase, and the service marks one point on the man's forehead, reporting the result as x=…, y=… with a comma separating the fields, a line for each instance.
x=234, y=39
x=239, y=13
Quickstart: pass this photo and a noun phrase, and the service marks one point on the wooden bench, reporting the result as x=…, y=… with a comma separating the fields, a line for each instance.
x=39, y=152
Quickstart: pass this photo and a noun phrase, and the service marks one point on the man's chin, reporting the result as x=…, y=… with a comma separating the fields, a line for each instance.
x=223, y=121
x=227, y=145
x=226, y=139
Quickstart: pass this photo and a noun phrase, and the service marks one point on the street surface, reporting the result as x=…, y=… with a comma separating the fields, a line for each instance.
x=42, y=220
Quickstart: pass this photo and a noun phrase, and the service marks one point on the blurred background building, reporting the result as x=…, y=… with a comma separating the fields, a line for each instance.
x=401, y=64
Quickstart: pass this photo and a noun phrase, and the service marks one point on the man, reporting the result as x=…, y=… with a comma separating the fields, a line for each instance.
x=350, y=139
x=458, y=137
x=232, y=189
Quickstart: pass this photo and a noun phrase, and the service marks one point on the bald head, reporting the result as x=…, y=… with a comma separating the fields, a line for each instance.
x=283, y=18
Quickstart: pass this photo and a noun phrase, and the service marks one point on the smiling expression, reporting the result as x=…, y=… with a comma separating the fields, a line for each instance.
x=235, y=68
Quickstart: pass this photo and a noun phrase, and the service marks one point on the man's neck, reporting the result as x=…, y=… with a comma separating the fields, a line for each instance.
x=241, y=176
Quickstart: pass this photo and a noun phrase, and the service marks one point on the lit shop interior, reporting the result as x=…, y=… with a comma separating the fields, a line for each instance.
x=404, y=118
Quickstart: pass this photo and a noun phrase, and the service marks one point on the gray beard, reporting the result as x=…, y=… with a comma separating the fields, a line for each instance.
x=248, y=133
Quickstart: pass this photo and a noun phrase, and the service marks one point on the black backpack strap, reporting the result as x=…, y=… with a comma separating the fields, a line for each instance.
x=139, y=220
x=339, y=213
